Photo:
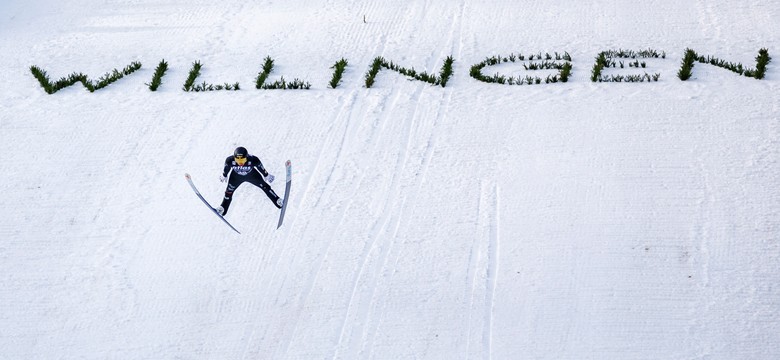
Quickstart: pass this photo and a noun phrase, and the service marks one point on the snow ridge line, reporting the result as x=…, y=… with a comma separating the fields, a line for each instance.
x=344, y=113
x=482, y=275
x=477, y=279
x=392, y=213
x=492, y=274
x=400, y=216
x=355, y=308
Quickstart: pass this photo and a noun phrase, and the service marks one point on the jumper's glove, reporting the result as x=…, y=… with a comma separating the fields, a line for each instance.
x=222, y=178
x=269, y=179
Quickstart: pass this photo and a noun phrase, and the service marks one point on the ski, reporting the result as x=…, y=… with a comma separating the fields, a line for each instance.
x=286, y=193
x=189, y=180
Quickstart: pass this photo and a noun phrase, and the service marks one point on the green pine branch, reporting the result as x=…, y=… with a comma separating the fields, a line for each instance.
x=159, y=72
x=338, y=71
x=107, y=79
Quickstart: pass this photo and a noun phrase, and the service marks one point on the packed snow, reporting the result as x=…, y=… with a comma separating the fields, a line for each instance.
x=574, y=220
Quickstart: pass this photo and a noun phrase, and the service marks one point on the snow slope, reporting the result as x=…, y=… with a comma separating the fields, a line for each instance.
x=565, y=221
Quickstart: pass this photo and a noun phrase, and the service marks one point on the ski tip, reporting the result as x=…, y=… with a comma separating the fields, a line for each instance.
x=186, y=175
x=288, y=163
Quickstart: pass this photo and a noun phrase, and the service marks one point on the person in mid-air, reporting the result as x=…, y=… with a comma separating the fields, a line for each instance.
x=245, y=168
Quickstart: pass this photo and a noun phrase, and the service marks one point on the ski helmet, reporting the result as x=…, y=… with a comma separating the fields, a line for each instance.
x=240, y=152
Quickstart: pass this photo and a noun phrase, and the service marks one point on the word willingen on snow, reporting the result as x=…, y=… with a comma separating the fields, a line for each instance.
x=562, y=63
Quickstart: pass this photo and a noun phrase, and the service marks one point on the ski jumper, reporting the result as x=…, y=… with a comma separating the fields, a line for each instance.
x=252, y=171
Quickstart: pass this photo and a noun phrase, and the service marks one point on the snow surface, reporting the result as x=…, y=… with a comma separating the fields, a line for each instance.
x=565, y=221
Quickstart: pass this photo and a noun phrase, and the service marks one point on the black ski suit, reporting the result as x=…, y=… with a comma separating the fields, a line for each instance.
x=253, y=172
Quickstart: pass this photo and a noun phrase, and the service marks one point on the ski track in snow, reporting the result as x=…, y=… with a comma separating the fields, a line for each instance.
x=476, y=221
x=488, y=219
